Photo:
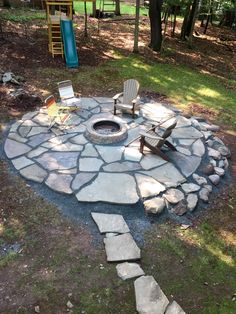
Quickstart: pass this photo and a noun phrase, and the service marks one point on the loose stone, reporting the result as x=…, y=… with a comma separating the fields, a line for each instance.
x=190, y=187
x=204, y=195
x=149, y=296
x=129, y=270
x=224, y=151
x=226, y=163
x=174, y=196
x=180, y=209
x=214, y=153
x=192, y=200
x=221, y=163
x=207, y=169
x=214, y=178
x=219, y=171
x=155, y=205
x=200, y=180
x=208, y=187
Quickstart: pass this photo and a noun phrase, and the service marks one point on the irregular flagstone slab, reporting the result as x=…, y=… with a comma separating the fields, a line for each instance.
x=89, y=151
x=104, y=100
x=121, y=248
x=174, y=196
x=186, y=142
x=148, y=186
x=112, y=188
x=192, y=200
x=67, y=147
x=15, y=126
x=29, y=115
x=39, y=139
x=132, y=134
x=17, y=137
x=21, y=162
x=58, y=160
x=60, y=182
x=186, y=164
x=73, y=120
x=198, y=148
x=14, y=149
x=37, y=130
x=88, y=103
x=132, y=154
x=76, y=129
x=186, y=132
x=183, y=122
x=149, y=297
x=155, y=112
x=110, y=223
x=96, y=110
x=166, y=174
x=81, y=179
x=90, y=164
x=24, y=130
x=184, y=151
x=36, y=152
x=68, y=171
x=151, y=161
x=110, y=153
x=42, y=119
x=129, y=270
x=207, y=134
x=79, y=139
x=190, y=187
x=155, y=205
x=111, y=234
x=34, y=173
x=122, y=166
x=174, y=308
x=61, y=138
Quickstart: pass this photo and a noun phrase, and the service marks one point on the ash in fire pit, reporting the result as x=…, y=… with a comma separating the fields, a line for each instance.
x=106, y=127
x=106, y=130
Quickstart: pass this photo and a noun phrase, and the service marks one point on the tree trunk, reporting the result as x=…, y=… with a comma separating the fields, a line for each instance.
x=155, y=24
x=117, y=9
x=189, y=21
x=6, y=3
x=136, y=27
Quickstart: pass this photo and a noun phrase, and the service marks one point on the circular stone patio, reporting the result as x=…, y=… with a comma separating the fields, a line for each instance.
x=67, y=162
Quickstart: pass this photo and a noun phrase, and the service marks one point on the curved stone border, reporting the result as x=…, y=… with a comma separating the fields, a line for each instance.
x=69, y=163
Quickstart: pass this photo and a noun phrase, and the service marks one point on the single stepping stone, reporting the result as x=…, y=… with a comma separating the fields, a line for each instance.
x=121, y=248
x=190, y=187
x=174, y=196
x=150, y=299
x=174, y=308
x=110, y=223
x=129, y=270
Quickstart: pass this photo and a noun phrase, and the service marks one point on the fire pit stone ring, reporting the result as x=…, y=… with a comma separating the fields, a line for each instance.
x=106, y=130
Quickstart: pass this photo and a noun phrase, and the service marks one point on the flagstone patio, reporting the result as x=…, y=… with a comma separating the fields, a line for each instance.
x=118, y=173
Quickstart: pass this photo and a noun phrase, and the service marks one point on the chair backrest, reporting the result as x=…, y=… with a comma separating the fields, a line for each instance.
x=66, y=89
x=168, y=130
x=52, y=107
x=130, y=92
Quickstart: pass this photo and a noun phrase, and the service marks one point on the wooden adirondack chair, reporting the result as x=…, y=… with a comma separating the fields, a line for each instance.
x=67, y=95
x=129, y=102
x=155, y=141
x=58, y=114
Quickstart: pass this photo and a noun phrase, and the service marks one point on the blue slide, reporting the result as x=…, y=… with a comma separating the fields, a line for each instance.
x=69, y=43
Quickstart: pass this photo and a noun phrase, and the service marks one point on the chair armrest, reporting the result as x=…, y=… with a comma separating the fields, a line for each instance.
x=117, y=96
x=135, y=100
x=145, y=134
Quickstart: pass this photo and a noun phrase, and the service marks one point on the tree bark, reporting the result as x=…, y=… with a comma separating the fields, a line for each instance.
x=189, y=21
x=136, y=27
x=155, y=24
x=117, y=8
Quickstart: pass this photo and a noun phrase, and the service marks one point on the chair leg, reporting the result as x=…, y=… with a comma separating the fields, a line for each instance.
x=170, y=146
x=141, y=145
x=114, y=110
x=133, y=112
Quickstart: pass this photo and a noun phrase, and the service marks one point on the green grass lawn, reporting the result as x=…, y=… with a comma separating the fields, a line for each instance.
x=124, y=8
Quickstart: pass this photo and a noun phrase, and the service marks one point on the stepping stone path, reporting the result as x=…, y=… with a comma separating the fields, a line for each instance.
x=70, y=163
x=149, y=297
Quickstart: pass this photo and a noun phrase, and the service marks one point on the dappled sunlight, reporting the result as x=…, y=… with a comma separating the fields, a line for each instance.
x=204, y=91
x=220, y=255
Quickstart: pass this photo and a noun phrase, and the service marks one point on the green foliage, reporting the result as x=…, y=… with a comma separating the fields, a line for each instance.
x=21, y=16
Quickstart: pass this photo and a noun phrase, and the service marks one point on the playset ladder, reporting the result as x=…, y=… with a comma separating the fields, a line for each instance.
x=108, y=6
x=55, y=39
